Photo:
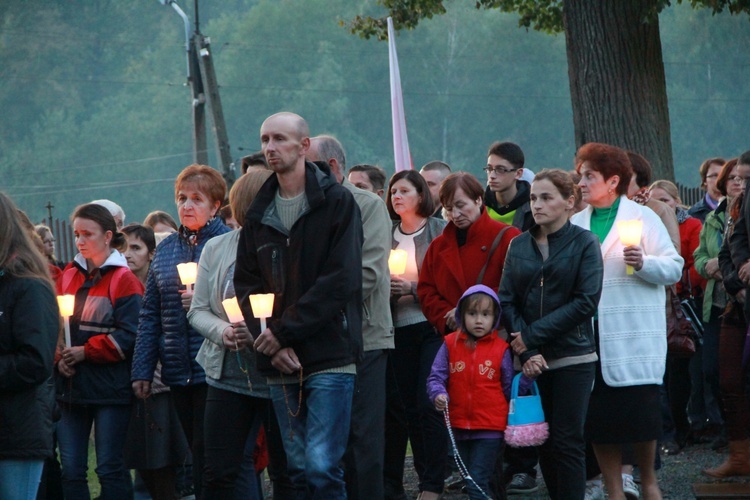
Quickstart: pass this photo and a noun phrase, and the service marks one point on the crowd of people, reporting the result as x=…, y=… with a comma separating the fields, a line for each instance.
x=188, y=387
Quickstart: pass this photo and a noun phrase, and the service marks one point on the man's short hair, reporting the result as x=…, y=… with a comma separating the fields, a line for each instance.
x=329, y=147
x=143, y=233
x=375, y=173
x=641, y=169
x=508, y=151
x=254, y=160
x=744, y=158
x=437, y=165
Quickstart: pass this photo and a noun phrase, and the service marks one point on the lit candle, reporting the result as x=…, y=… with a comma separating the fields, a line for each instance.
x=397, y=261
x=66, y=303
x=262, y=306
x=630, y=234
x=188, y=272
x=232, y=308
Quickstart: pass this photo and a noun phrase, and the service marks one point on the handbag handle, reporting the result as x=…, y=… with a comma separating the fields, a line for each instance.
x=516, y=382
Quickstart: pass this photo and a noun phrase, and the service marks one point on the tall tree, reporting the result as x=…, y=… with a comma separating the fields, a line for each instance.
x=615, y=67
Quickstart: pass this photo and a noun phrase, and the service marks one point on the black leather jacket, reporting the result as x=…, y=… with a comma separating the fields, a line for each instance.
x=551, y=302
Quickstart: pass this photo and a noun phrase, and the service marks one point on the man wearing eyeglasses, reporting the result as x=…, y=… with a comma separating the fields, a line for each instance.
x=507, y=194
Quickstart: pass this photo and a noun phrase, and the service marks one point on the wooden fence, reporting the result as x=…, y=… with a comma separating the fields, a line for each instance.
x=65, y=243
x=690, y=195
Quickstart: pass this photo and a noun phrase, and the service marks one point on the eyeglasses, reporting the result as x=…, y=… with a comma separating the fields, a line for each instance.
x=737, y=179
x=47, y=242
x=712, y=176
x=498, y=170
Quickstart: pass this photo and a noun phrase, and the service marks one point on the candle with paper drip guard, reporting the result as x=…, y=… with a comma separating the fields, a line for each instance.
x=262, y=306
x=66, y=304
x=397, y=261
x=630, y=235
x=232, y=308
x=188, y=273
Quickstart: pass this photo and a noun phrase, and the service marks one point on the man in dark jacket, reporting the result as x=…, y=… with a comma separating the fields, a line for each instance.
x=302, y=241
x=507, y=195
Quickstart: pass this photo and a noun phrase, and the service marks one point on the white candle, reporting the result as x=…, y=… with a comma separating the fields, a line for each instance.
x=397, y=261
x=262, y=306
x=232, y=308
x=188, y=273
x=630, y=234
x=66, y=303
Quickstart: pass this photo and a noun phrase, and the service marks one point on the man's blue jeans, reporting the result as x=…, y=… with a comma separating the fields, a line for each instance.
x=110, y=428
x=315, y=440
x=19, y=479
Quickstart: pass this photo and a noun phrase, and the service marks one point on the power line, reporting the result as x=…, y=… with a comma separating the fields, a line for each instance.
x=93, y=186
x=317, y=49
x=100, y=165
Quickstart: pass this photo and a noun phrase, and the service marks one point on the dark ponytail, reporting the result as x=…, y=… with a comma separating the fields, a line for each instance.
x=104, y=219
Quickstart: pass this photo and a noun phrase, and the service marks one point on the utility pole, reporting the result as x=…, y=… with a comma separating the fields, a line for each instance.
x=201, y=77
x=213, y=99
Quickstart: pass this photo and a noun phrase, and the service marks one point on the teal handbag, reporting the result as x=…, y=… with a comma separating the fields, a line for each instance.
x=526, y=425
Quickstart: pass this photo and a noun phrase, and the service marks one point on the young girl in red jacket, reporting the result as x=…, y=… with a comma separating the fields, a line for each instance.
x=472, y=376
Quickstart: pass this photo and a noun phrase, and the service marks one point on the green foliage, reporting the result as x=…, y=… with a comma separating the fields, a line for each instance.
x=541, y=15
x=95, y=106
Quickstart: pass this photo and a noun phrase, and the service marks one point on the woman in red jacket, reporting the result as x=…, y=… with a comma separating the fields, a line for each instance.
x=95, y=368
x=677, y=377
x=470, y=251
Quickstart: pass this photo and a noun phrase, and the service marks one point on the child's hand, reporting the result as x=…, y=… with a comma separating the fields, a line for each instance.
x=441, y=402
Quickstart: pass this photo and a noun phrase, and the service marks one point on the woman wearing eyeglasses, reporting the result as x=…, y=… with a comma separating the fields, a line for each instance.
x=723, y=308
x=45, y=233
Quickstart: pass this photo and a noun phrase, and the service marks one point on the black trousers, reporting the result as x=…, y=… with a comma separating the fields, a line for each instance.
x=190, y=403
x=365, y=452
x=565, y=398
x=231, y=420
x=410, y=416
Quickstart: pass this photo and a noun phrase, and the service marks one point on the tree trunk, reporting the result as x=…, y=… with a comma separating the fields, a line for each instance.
x=617, y=84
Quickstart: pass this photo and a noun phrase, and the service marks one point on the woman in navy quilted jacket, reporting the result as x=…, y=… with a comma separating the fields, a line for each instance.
x=164, y=333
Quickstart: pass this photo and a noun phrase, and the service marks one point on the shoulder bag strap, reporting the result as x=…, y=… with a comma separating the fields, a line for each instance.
x=494, y=246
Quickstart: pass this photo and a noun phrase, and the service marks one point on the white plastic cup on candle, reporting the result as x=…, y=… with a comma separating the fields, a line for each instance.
x=262, y=306
x=66, y=303
x=232, y=308
x=188, y=273
x=397, y=261
x=630, y=235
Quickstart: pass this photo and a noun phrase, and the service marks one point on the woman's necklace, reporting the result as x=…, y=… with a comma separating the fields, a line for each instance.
x=419, y=228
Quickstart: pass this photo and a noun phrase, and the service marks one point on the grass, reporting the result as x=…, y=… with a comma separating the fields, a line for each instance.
x=94, y=487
